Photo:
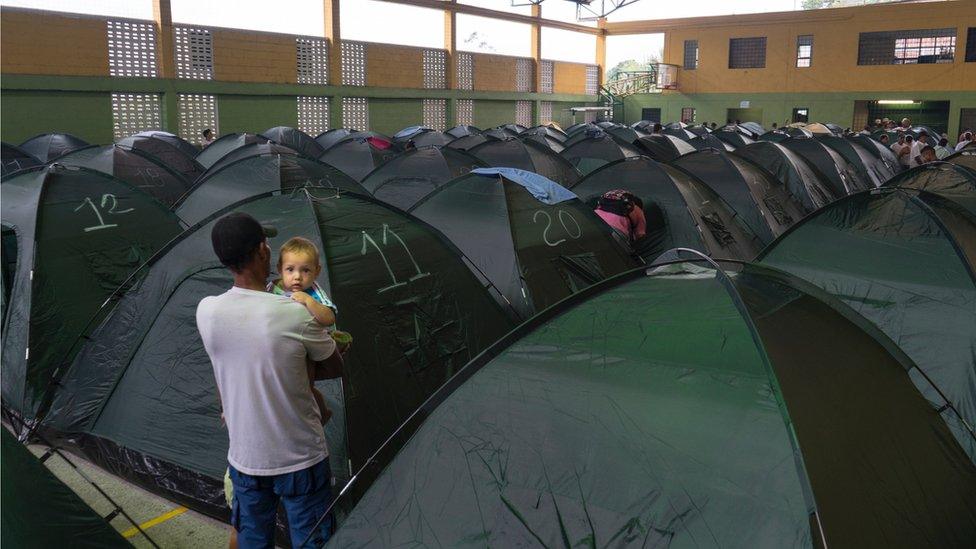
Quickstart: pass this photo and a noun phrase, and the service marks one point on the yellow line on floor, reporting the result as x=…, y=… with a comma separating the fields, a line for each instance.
x=153, y=522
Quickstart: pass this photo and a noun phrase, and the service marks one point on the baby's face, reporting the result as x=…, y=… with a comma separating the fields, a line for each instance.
x=298, y=271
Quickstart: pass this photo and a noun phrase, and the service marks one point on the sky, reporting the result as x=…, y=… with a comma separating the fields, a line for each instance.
x=375, y=21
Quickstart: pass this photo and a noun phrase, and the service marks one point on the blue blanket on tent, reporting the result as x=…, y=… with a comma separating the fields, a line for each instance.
x=543, y=189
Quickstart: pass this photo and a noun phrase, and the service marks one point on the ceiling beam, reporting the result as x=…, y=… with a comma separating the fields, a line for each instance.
x=495, y=14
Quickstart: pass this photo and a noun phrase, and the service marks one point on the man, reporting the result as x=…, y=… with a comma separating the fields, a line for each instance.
x=897, y=146
x=658, y=128
x=967, y=138
x=260, y=344
x=208, y=137
x=942, y=150
x=906, y=125
x=917, y=145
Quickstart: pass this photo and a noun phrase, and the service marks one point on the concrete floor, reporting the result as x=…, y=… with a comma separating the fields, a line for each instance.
x=163, y=520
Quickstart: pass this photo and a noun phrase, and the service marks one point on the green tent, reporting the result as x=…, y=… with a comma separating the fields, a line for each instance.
x=140, y=395
x=136, y=167
x=527, y=235
x=38, y=511
x=78, y=234
x=678, y=406
x=681, y=211
x=226, y=144
x=905, y=260
x=954, y=182
x=252, y=175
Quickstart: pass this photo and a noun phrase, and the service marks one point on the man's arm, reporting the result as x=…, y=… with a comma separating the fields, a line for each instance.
x=321, y=350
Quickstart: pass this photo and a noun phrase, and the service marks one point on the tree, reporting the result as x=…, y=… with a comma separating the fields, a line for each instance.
x=633, y=65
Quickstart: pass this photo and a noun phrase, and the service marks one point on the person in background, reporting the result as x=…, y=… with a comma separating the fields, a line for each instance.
x=866, y=131
x=657, y=128
x=905, y=153
x=962, y=134
x=942, y=150
x=926, y=155
x=208, y=137
x=623, y=211
x=897, y=146
x=917, y=145
x=967, y=138
x=884, y=139
x=774, y=126
x=906, y=125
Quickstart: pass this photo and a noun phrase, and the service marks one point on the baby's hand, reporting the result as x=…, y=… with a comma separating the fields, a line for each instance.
x=301, y=297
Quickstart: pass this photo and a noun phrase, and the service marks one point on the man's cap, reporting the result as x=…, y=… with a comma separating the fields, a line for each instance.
x=235, y=236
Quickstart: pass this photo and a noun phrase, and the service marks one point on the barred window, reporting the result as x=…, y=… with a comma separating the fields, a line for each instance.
x=435, y=114
x=747, y=53
x=131, y=49
x=545, y=112
x=523, y=113
x=971, y=45
x=688, y=115
x=691, y=55
x=135, y=112
x=906, y=47
x=194, y=53
x=313, y=114
x=804, y=50
x=435, y=69
x=353, y=63
x=465, y=71
x=465, y=112
x=197, y=112
x=546, y=78
x=524, y=73
x=592, y=80
x=312, y=58
x=355, y=113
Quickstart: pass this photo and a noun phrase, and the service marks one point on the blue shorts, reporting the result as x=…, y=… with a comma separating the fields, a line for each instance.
x=304, y=494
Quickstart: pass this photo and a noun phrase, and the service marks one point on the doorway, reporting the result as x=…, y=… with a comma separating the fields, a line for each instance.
x=745, y=115
x=934, y=114
x=967, y=119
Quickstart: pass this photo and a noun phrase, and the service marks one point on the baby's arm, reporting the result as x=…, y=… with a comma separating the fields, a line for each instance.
x=322, y=314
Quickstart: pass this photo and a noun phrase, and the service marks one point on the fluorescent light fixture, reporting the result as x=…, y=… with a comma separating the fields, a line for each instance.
x=897, y=102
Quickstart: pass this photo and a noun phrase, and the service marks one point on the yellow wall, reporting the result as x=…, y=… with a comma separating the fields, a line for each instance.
x=392, y=66
x=834, y=67
x=494, y=72
x=247, y=56
x=568, y=77
x=52, y=43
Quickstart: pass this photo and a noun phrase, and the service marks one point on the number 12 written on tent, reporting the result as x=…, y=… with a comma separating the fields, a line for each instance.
x=108, y=205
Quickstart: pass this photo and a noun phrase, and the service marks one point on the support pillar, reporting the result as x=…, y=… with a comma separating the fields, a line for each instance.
x=166, y=63
x=330, y=9
x=536, y=46
x=601, y=50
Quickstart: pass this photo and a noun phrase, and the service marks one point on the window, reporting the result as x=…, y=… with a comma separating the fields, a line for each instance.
x=135, y=112
x=312, y=58
x=971, y=45
x=592, y=80
x=906, y=47
x=688, y=115
x=547, y=68
x=804, y=50
x=545, y=112
x=523, y=113
x=353, y=64
x=465, y=112
x=435, y=114
x=131, y=49
x=355, y=113
x=194, y=53
x=435, y=69
x=691, y=55
x=524, y=74
x=801, y=114
x=747, y=53
x=313, y=114
x=465, y=71
x=197, y=112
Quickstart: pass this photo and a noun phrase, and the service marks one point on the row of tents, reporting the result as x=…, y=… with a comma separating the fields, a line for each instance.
x=439, y=252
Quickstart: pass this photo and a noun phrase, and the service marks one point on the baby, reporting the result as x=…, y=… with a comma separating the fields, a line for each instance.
x=299, y=266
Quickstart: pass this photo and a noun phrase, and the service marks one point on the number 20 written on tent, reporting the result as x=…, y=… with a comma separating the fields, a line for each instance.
x=566, y=219
x=108, y=205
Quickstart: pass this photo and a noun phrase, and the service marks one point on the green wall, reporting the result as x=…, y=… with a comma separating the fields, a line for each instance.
x=255, y=113
x=24, y=114
x=488, y=114
x=778, y=107
x=389, y=116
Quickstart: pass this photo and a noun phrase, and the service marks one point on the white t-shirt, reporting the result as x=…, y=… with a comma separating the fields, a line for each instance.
x=916, y=151
x=258, y=343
